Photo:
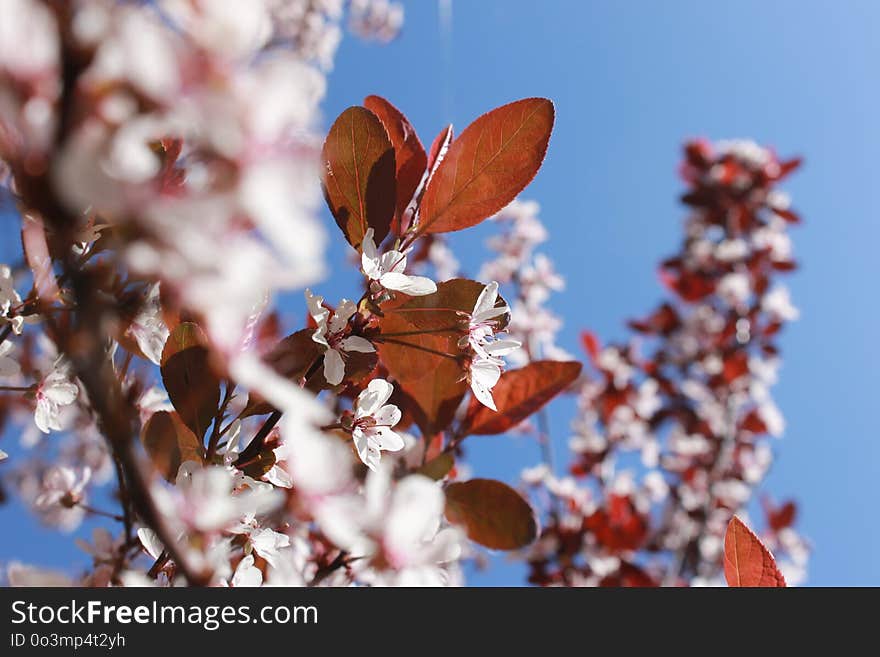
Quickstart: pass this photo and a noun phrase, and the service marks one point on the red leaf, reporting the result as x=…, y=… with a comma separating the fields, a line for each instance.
x=518, y=394
x=487, y=166
x=789, y=215
x=746, y=561
x=192, y=387
x=752, y=422
x=736, y=365
x=418, y=344
x=779, y=517
x=591, y=344
x=492, y=513
x=358, y=175
x=618, y=526
x=787, y=167
x=169, y=442
x=409, y=154
x=689, y=286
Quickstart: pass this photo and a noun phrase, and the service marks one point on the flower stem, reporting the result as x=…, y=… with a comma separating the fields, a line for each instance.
x=99, y=512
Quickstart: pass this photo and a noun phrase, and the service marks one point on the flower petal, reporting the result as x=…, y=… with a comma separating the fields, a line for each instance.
x=483, y=395
x=389, y=415
x=61, y=393
x=413, y=285
x=43, y=416
x=373, y=397
x=486, y=372
x=344, y=311
x=246, y=574
x=369, y=257
x=368, y=245
x=334, y=367
x=357, y=343
x=393, y=261
x=387, y=439
x=316, y=309
x=367, y=452
x=320, y=314
x=502, y=347
x=487, y=298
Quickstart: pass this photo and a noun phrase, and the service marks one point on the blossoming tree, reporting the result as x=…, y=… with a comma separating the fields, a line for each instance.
x=165, y=166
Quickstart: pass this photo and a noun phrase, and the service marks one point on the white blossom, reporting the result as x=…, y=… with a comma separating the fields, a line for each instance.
x=331, y=335
x=373, y=422
x=54, y=392
x=246, y=574
x=206, y=499
x=777, y=302
x=388, y=270
x=9, y=299
x=484, y=370
x=402, y=521
x=61, y=493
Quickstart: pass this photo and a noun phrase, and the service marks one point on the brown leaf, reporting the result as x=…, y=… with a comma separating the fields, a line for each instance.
x=358, y=175
x=746, y=561
x=409, y=154
x=169, y=442
x=192, y=386
x=414, y=336
x=487, y=166
x=492, y=513
x=518, y=394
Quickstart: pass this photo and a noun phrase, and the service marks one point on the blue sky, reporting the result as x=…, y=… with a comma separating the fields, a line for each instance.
x=631, y=81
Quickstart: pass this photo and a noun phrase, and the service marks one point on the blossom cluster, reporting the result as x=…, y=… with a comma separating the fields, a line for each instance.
x=669, y=444
x=533, y=276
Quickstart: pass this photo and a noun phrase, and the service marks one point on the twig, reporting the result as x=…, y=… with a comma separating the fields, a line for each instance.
x=83, y=343
x=124, y=498
x=325, y=572
x=218, y=419
x=253, y=449
x=99, y=512
x=158, y=565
